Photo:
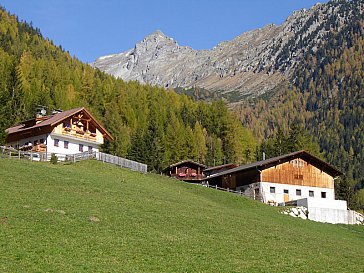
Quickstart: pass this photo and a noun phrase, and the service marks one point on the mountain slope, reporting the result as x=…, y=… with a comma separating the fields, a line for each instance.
x=148, y=123
x=326, y=97
x=251, y=64
x=309, y=70
x=91, y=216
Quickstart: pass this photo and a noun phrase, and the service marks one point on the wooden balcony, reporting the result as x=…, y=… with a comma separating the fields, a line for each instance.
x=188, y=177
x=87, y=135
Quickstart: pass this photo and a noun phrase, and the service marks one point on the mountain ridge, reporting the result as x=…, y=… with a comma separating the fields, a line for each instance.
x=251, y=64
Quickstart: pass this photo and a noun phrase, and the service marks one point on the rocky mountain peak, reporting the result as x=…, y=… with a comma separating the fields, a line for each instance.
x=154, y=42
x=156, y=35
x=253, y=63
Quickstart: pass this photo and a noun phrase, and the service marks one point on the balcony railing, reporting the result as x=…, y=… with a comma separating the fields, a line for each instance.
x=188, y=176
x=79, y=133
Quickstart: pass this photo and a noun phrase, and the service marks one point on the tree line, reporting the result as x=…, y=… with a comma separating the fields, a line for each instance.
x=325, y=96
x=150, y=124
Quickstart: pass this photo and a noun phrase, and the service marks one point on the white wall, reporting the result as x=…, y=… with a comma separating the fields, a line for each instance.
x=322, y=203
x=73, y=144
x=278, y=196
x=326, y=211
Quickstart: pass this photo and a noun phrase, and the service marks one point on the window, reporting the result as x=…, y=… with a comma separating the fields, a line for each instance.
x=65, y=144
x=298, y=163
x=311, y=194
x=323, y=194
x=298, y=192
x=56, y=142
x=90, y=148
x=272, y=189
x=298, y=176
x=80, y=148
x=285, y=191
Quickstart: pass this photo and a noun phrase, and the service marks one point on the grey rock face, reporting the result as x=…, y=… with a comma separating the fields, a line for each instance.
x=253, y=63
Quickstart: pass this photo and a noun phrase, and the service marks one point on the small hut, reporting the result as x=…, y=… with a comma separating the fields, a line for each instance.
x=186, y=170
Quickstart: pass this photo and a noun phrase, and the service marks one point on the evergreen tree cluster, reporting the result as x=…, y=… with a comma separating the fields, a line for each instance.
x=326, y=97
x=295, y=139
x=151, y=125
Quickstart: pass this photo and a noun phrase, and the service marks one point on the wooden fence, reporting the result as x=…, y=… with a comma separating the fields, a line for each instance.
x=122, y=162
x=241, y=193
x=42, y=156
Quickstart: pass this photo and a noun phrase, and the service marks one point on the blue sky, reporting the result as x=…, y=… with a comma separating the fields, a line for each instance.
x=93, y=28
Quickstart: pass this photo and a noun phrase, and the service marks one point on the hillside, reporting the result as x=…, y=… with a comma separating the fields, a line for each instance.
x=325, y=97
x=91, y=216
x=147, y=122
x=307, y=71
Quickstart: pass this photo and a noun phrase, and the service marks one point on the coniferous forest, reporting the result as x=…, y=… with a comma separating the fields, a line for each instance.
x=319, y=110
x=150, y=124
x=326, y=99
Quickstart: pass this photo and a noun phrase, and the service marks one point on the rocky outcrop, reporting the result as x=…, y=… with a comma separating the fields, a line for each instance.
x=251, y=64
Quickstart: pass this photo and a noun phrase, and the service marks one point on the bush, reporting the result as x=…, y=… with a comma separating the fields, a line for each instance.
x=54, y=158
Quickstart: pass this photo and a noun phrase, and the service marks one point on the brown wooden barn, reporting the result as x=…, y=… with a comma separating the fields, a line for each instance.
x=186, y=170
x=281, y=179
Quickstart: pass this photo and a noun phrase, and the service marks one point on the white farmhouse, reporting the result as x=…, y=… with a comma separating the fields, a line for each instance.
x=63, y=133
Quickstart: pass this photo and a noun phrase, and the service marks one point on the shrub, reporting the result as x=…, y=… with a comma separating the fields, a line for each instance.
x=54, y=158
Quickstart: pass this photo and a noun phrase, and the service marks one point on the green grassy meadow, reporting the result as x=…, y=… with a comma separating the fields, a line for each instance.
x=95, y=217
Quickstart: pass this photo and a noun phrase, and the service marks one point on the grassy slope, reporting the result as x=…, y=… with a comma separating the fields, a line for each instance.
x=150, y=223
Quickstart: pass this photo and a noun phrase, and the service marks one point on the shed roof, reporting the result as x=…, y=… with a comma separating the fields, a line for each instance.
x=264, y=164
x=184, y=162
x=221, y=167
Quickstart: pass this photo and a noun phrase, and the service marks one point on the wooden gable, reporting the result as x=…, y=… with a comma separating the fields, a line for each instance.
x=297, y=172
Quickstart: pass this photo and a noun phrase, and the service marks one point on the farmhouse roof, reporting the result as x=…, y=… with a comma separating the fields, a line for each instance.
x=264, y=164
x=52, y=121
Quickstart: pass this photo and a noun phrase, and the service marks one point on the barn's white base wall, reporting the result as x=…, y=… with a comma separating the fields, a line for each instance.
x=263, y=189
x=322, y=203
x=328, y=215
x=327, y=211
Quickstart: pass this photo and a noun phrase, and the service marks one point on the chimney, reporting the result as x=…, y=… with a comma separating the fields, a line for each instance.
x=56, y=111
x=41, y=114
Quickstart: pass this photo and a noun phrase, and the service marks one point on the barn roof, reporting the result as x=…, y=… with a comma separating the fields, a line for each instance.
x=230, y=165
x=264, y=164
x=52, y=121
